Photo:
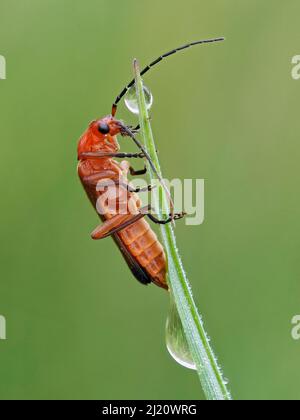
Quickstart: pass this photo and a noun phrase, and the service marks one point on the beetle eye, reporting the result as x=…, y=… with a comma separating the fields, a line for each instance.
x=103, y=128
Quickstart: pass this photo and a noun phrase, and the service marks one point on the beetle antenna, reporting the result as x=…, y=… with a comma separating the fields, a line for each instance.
x=158, y=60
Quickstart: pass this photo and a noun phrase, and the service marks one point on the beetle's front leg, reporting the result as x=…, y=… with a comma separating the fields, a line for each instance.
x=135, y=130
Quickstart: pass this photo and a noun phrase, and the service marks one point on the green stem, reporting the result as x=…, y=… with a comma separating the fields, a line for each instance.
x=209, y=372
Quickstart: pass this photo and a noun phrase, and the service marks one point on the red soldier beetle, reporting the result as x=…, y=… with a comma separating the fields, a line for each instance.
x=97, y=150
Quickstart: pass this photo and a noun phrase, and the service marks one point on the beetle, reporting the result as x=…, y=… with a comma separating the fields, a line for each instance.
x=103, y=177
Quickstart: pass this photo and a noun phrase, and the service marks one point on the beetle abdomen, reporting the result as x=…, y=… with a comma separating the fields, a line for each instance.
x=143, y=245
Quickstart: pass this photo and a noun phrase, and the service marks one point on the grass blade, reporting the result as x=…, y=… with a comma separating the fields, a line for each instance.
x=211, y=378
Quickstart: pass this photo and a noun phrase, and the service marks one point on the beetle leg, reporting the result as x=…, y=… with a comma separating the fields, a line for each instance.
x=118, y=223
x=95, y=180
x=133, y=172
x=122, y=221
x=176, y=216
x=135, y=130
x=103, y=155
x=139, y=189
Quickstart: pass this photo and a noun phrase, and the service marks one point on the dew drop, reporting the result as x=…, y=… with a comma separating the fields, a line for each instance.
x=175, y=339
x=132, y=103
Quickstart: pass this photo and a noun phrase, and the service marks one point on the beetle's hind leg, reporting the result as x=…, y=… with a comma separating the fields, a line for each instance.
x=122, y=221
x=118, y=223
x=176, y=216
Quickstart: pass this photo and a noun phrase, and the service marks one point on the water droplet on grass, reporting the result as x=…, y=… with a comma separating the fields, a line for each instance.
x=176, y=340
x=132, y=103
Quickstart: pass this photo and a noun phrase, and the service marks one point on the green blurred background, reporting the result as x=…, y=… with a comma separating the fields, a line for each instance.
x=78, y=324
